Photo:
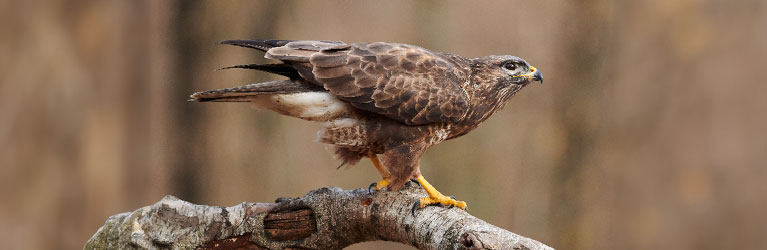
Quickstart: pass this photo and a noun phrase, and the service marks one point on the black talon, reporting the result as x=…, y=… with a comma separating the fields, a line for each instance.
x=416, y=182
x=451, y=205
x=412, y=210
x=371, y=186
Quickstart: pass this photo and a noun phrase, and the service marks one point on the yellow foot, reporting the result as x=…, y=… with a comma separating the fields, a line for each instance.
x=443, y=200
x=379, y=185
x=435, y=197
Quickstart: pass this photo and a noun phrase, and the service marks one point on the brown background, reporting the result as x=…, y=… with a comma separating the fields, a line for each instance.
x=649, y=132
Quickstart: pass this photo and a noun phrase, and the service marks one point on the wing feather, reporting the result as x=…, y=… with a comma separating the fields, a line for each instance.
x=403, y=82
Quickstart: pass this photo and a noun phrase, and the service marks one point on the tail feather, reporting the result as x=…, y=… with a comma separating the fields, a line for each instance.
x=279, y=68
x=245, y=93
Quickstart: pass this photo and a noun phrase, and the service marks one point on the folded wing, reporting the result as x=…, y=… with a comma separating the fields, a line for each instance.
x=403, y=82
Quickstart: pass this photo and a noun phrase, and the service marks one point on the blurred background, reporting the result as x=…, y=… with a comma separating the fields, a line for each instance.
x=649, y=132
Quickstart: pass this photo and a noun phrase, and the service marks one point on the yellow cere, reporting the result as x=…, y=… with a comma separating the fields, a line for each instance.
x=528, y=75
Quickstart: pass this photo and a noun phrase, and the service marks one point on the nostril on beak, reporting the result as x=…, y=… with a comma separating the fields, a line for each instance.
x=537, y=76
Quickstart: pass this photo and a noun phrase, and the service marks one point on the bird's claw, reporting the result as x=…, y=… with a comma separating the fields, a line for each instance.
x=415, y=181
x=379, y=185
x=415, y=206
x=444, y=201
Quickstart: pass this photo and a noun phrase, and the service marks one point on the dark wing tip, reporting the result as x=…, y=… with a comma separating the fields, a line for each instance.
x=259, y=44
x=253, y=44
x=241, y=66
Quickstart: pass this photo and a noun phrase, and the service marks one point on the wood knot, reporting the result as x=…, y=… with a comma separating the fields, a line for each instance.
x=366, y=202
x=472, y=241
x=468, y=241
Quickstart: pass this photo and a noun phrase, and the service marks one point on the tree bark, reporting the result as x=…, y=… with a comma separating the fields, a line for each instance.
x=325, y=218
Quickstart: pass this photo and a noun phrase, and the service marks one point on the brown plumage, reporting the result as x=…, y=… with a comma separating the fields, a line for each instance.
x=381, y=98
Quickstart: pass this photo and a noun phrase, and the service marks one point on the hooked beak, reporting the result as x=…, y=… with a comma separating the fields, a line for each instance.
x=537, y=76
x=534, y=75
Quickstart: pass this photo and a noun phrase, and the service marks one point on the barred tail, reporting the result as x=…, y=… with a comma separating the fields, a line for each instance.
x=247, y=92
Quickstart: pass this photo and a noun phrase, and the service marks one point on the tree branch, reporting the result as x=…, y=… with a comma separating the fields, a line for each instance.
x=326, y=218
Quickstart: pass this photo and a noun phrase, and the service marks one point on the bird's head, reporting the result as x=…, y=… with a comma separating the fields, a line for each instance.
x=508, y=71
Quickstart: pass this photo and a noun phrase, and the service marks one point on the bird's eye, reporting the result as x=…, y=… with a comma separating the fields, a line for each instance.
x=510, y=66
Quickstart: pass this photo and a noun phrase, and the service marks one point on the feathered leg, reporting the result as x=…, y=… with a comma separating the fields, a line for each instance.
x=403, y=163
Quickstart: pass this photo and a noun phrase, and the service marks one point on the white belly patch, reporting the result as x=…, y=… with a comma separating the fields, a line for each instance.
x=313, y=106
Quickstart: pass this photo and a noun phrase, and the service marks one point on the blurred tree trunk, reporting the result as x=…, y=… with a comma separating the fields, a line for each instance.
x=193, y=35
x=185, y=48
x=584, y=52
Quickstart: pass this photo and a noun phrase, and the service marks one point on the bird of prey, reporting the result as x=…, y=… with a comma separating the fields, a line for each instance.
x=396, y=100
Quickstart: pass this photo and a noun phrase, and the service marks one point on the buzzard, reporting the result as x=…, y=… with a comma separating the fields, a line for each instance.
x=396, y=100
